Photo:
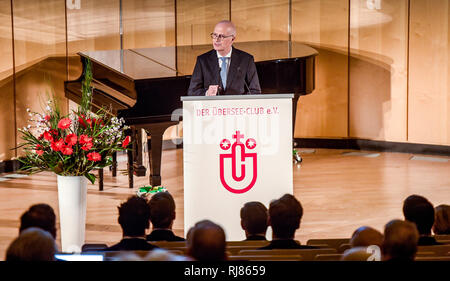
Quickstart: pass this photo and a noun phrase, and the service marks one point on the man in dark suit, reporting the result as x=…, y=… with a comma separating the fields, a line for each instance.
x=224, y=70
x=284, y=218
x=162, y=215
x=254, y=220
x=419, y=210
x=134, y=218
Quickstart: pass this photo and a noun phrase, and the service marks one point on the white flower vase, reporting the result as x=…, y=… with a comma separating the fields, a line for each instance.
x=72, y=193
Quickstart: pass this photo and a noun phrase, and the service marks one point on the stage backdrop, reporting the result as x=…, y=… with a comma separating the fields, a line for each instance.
x=236, y=149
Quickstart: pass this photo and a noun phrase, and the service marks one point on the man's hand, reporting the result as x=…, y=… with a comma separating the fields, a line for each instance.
x=212, y=90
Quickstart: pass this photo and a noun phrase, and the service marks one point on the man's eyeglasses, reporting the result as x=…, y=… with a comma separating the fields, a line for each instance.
x=219, y=36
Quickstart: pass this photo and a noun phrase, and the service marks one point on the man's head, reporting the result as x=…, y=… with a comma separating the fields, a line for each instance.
x=33, y=244
x=223, y=36
x=419, y=210
x=366, y=236
x=254, y=218
x=162, y=210
x=442, y=220
x=39, y=215
x=134, y=216
x=400, y=240
x=206, y=241
x=284, y=216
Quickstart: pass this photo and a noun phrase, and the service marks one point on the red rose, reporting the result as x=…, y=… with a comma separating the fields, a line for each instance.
x=47, y=117
x=67, y=150
x=54, y=132
x=85, y=139
x=126, y=141
x=94, y=156
x=71, y=139
x=38, y=146
x=39, y=152
x=87, y=146
x=48, y=136
x=64, y=123
x=57, y=145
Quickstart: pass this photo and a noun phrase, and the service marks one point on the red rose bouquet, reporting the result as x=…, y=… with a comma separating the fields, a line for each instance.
x=72, y=145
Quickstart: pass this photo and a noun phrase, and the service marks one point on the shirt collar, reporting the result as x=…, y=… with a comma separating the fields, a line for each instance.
x=227, y=55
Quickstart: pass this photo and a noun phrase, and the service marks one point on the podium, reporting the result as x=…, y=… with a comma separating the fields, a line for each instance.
x=236, y=149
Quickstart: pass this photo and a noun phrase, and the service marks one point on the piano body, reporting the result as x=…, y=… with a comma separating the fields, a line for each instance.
x=144, y=87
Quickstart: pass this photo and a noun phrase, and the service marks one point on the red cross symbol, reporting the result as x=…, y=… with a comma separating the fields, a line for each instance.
x=238, y=136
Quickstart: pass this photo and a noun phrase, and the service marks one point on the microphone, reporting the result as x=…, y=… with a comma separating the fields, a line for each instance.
x=245, y=83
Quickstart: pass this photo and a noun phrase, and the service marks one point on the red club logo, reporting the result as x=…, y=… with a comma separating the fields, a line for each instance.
x=234, y=157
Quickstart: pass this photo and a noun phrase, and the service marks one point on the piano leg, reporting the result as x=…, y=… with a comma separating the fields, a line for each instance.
x=130, y=168
x=297, y=157
x=114, y=164
x=156, y=131
x=100, y=179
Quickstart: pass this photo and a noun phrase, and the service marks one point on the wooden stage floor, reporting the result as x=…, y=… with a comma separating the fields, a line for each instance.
x=339, y=192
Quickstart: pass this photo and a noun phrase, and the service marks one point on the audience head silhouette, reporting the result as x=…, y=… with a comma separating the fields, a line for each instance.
x=419, y=210
x=400, y=240
x=206, y=241
x=284, y=216
x=366, y=236
x=33, y=244
x=162, y=210
x=442, y=220
x=39, y=215
x=134, y=216
x=254, y=219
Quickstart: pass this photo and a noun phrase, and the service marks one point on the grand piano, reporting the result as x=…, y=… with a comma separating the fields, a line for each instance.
x=144, y=87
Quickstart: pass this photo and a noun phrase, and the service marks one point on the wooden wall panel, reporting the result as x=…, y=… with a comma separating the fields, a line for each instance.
x=258, y=20
x=196, y=20
x=429, y=96
x=95, y=26
x=324, y=26
x=378, y=69
x=39, y=40
x=148, y=24
x=7, y=128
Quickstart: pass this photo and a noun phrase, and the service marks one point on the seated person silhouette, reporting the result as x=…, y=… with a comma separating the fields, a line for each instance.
x=134, y=218
x=39, y=215
x=285, y=215
x=33, y=244
x=419, y=210
x=254, y=221
x=400, y=241
x=206, y=242
x=441, y=224
x=365, y=236
x=162, y=215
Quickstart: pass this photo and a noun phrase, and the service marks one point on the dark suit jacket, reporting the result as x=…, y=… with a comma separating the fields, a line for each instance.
x=132, y=244
x=163, y=235
x=207, y=72
x=256, y=238
x=285, y=244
